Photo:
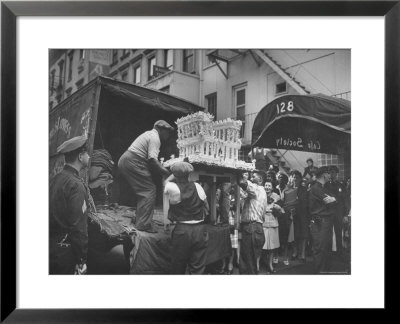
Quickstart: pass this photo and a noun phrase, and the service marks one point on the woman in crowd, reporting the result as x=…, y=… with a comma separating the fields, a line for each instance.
x=290, y=203
x=284, y=219
x=282, y=182
x=301, y=217
x=271, y=226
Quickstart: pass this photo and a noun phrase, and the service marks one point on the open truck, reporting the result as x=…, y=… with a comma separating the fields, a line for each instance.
x=112, y=114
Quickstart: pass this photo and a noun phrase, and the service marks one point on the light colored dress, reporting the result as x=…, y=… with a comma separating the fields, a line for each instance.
x=271, y=227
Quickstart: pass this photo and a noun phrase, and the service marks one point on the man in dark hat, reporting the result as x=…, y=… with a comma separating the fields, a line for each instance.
x=188, y=207
x=321, y=206
x=138, y=164
x=251, y=223
x=69, y=211
x=337, y=190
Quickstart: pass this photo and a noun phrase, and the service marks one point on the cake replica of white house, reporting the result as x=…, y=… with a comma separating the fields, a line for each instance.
x=202, y=140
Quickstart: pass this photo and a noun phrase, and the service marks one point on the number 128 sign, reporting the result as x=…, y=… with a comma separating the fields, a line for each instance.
x=284, y=107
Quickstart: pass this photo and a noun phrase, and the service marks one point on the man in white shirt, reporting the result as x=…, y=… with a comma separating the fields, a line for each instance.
x=251, y=223
x=138, y=164
x=188, y=207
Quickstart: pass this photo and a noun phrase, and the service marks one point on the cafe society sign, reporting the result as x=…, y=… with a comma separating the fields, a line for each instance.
x=298, y=143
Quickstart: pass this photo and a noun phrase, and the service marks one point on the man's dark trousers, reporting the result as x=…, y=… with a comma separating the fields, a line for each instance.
x=253, y=240
x=321, y=232
x=137, y=173
x=189, y=248
x=338, y=226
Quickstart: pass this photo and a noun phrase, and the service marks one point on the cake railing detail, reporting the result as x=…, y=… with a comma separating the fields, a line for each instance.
x=200, y=139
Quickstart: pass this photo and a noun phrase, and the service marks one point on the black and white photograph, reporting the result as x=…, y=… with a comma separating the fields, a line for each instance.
x=199, y=161
x=165, y=159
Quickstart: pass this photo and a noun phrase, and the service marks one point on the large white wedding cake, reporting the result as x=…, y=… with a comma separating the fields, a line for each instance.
x=203, y=140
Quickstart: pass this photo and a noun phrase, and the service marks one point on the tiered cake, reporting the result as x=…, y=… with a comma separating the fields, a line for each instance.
x=201, y=140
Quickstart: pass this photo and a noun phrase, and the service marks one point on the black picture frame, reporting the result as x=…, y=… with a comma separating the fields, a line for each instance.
x=11, y=10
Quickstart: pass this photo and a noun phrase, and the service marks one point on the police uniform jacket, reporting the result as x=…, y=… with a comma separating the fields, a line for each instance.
x=69, y=212
x=337, y=190
x=317, y=206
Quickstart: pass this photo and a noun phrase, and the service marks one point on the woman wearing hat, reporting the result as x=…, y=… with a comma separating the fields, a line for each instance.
x=271, y=225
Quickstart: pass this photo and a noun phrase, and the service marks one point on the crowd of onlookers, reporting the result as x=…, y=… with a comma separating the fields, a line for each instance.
x=285, y=223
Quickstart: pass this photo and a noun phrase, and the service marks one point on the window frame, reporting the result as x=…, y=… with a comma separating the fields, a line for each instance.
x=52, y=80
x=185, y=65
x=281, y=92
x=114, y=57
x=169, y=67
x=236, y=89
x=70, y=63
x=150, y=74
x=79, y=84
x=212, y=96
x=135, y=68
x=124, y=73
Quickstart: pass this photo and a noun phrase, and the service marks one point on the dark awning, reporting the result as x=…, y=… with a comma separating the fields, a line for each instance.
x=312, y=123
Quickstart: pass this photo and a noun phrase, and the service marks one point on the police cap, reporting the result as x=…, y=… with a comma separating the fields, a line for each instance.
x=333, y=168
x=72, y=144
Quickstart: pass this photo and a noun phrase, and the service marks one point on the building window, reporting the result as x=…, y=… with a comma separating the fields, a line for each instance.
x=169, y=59
x=81, y=65
x=212, y=104
x=331, y=159
x=79, y=83
x=52, y=77
x=70, y=61
x=114, y=57
x=68, y=91
x=58, y=98
x=240, y=106
x=124, y=53
x=151, y=63
x=209, y=59
x=61, y=77
x=165, y=89
x=280, y=88
x=136, y=74
x=124, y=76
x=188, y=61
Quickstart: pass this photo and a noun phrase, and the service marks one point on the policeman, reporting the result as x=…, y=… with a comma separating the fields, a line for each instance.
x=337, y=190
x=322, y=208
x=69, y=211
